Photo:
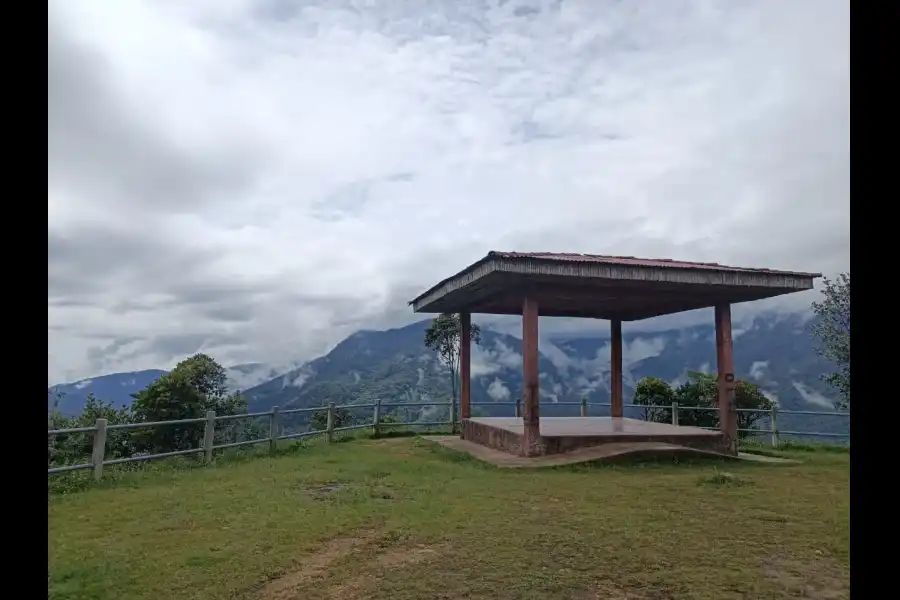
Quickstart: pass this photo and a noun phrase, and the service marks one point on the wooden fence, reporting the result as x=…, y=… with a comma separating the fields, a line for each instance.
x=274, y=416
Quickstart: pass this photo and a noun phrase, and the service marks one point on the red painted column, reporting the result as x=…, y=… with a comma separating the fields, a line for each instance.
x=531, y=439
x=725, y=381
x=465, y=365
x=615, y=369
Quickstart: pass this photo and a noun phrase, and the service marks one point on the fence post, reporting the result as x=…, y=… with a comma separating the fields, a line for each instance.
x=773, y=415
x=99, y=452
x=329, y=423
x=376, y=417
x=453, y=415
x=518, y=407
x=674, y=413
x=209, y=436
x=584, y=407
x=274, y=422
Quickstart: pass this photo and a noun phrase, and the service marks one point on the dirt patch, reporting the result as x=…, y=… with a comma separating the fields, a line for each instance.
x=323, y=491
x=723, y=479
x=403, y=557
x=398, y=558
x=823, y=578
x=290, y=586
x=314, y=568
x=381, y=493
x=393, y=440
x=608, y=590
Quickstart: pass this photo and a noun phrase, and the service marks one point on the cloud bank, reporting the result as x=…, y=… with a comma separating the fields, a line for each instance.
x=258, y=179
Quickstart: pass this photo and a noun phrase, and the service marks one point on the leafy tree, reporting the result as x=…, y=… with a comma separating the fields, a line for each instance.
x=206, y=376
x=833, y=330
x=700, y=391
x=650, y=392
x=748, y=395
x=76, y=448
x=443, y=336
x=196, y=385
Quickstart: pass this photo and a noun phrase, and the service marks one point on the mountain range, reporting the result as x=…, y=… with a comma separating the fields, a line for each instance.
x=117, y=388
x=774, y=351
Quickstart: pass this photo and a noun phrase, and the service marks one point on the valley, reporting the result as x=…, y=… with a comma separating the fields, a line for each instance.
x=774, y=351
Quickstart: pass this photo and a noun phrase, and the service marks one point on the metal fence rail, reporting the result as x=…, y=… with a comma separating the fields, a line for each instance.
x=772, y=413
x=100, y=428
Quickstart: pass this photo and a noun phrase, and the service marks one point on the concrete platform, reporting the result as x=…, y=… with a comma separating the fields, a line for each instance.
x=561, y=435
x=605, y=453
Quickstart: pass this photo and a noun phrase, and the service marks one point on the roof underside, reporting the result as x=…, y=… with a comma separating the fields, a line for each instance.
x=601, y=287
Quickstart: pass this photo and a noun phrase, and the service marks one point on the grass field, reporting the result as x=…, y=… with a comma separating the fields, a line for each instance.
x=402, y=518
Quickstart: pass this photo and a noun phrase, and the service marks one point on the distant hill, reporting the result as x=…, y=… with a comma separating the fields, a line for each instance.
x=117, y=388
x=393, y=365
x=776, y=352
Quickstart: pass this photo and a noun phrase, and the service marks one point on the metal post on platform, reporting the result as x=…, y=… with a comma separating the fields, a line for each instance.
x=616, y=408
x=584, y=407
x=531, y=421
x=725, y=382
x=465, y=365
x=674, y=413
x=773, y=416
x=518, y=407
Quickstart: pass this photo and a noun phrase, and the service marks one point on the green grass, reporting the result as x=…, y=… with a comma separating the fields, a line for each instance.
x=403, y=518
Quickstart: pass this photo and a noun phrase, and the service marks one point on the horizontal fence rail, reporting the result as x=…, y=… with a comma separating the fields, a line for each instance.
x=377, y=424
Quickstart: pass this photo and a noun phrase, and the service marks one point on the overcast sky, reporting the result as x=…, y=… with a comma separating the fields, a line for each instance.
x=258, y=179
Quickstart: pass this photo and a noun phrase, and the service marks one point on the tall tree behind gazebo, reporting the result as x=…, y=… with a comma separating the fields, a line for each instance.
x=443, y=337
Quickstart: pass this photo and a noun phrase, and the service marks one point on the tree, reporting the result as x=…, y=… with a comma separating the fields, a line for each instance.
x=700, y=392
x=650, y=392
x=443, y=336
x=196, y=385
x=74, y=448
x=833, y=330
x=748, y=395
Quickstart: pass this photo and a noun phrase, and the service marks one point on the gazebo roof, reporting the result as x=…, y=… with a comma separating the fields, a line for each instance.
x=603, y=287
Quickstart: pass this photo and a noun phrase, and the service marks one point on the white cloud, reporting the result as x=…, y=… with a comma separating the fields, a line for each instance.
x=487, y=360
x=258, y=179
x=812, y=396
x=498, y=391
x=758, y=369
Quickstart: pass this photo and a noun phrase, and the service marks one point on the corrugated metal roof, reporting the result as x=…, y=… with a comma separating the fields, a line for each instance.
x=635, y=262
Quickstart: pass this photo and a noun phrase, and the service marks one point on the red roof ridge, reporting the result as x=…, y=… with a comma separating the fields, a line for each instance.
x=633, y=260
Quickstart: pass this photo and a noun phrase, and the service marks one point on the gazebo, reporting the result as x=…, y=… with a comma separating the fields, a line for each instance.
x=613, y=288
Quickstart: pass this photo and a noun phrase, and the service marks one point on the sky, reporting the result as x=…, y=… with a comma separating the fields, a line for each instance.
x=259, y=179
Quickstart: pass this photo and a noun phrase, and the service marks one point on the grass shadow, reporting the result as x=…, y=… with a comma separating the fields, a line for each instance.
x=723, y=479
